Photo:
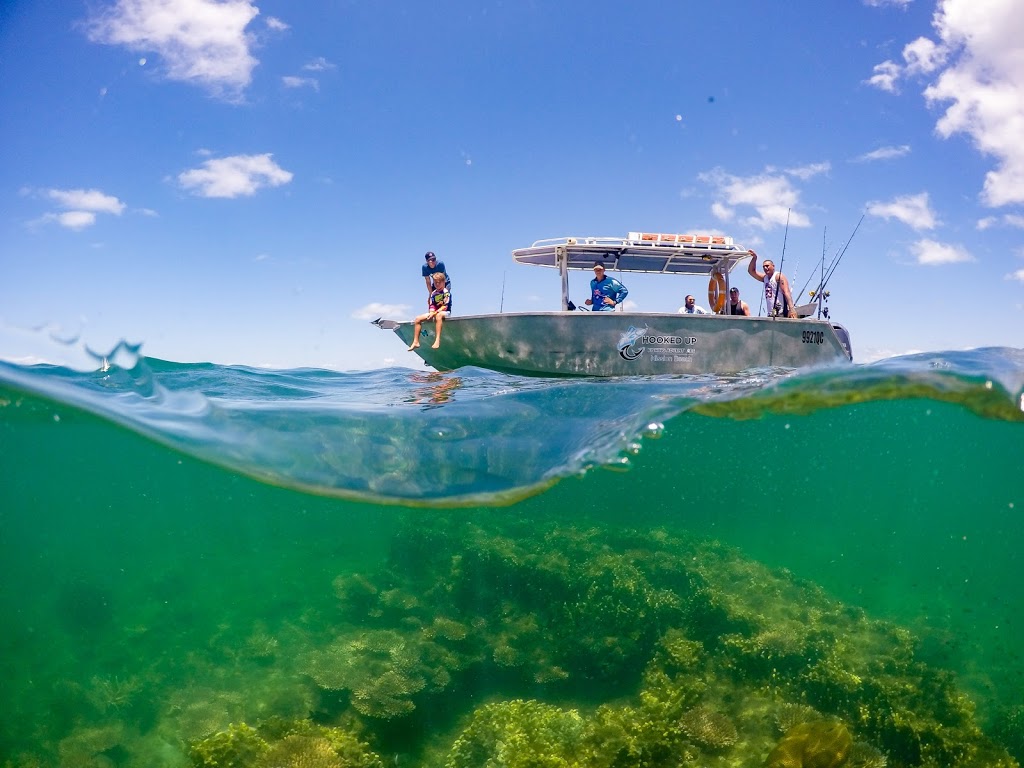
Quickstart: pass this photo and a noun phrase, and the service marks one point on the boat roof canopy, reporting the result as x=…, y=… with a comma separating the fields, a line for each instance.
x=637, y=252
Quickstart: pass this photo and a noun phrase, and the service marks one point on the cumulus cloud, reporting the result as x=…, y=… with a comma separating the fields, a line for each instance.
x=235, y=176
x=81, y=207
x=1018, y=276
x=885, y=76
x=199, y=41
x=770, y=195
x=276, y=24
x=74, y=220
x=87, y=200
x=974, y=66
x=912, y=210
x=930, y=253
x=884, y=153
x=375, y=309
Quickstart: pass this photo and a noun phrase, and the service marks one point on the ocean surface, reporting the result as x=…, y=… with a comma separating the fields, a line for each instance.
x=226, y=566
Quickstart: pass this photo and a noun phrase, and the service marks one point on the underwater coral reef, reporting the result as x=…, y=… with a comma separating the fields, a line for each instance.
x=485, y=641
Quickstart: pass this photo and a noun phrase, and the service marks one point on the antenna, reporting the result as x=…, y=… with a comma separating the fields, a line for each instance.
x=501, y=306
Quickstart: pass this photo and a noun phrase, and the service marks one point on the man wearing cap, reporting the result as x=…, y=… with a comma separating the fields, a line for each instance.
x=432, y=266
x=606, y=293
x=736, y=305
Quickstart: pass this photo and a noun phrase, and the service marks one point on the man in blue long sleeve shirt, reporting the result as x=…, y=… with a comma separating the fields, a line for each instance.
x=605, y=292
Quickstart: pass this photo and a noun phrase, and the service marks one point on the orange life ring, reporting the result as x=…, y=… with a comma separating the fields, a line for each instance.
x=716, y=292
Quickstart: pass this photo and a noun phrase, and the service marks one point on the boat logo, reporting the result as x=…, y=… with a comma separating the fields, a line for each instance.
x=628, y=343
x=665, y=347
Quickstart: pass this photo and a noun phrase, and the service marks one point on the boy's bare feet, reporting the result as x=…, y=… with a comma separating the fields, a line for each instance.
x=435, y=345
x=411, y=348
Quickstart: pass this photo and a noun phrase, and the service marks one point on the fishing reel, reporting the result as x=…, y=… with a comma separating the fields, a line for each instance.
x=824, y=301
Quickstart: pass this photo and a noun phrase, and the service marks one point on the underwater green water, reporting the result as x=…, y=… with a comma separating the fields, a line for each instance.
x=151, y=598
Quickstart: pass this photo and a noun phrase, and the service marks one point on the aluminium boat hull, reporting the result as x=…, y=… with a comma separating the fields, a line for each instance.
x=627, y=343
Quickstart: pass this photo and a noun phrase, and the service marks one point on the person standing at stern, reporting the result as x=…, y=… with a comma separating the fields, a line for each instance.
x=606, y=293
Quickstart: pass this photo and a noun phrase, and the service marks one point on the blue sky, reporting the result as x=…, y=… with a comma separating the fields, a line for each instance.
x=251, y=182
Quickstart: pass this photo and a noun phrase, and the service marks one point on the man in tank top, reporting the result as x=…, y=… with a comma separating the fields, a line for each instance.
x=777, y=296
x=736, y=305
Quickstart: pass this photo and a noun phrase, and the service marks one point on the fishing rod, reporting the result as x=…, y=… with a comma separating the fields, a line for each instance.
x=777, y=305
x=840, y=257
x=501, y=306
x=822, y=267
x=819, y=294
x=801, y=294
x=835, y=262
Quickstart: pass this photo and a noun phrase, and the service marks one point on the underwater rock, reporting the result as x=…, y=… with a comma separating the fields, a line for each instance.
x=820, y=744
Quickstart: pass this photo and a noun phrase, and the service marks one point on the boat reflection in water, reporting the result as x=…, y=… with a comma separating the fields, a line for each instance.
x=438, y=388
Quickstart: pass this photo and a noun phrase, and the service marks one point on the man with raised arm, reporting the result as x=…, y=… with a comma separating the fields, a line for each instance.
x=777, y=296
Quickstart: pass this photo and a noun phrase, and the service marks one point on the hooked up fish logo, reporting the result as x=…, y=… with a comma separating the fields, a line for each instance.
x=628, y=341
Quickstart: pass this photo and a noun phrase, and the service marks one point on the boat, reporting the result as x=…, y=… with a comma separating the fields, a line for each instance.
x=569, y=342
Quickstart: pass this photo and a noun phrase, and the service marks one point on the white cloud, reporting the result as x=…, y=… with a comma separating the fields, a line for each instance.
x=722, y=212
x=1018, y=275
x=895, y=3
x=930, y=253
x=276, y=24
x=923, y=56
x=885, y=76
x=319, y=64
x=76, y=220
x=200, y=41
x=86, y=199
x=771, y=196
x=976, y=66
x=1009, y=219
x=809, y=171
x=81, y=206
x=884, y=153
x=236, y=176
x=375, y=309
x=913, y=210
x=291, y=81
